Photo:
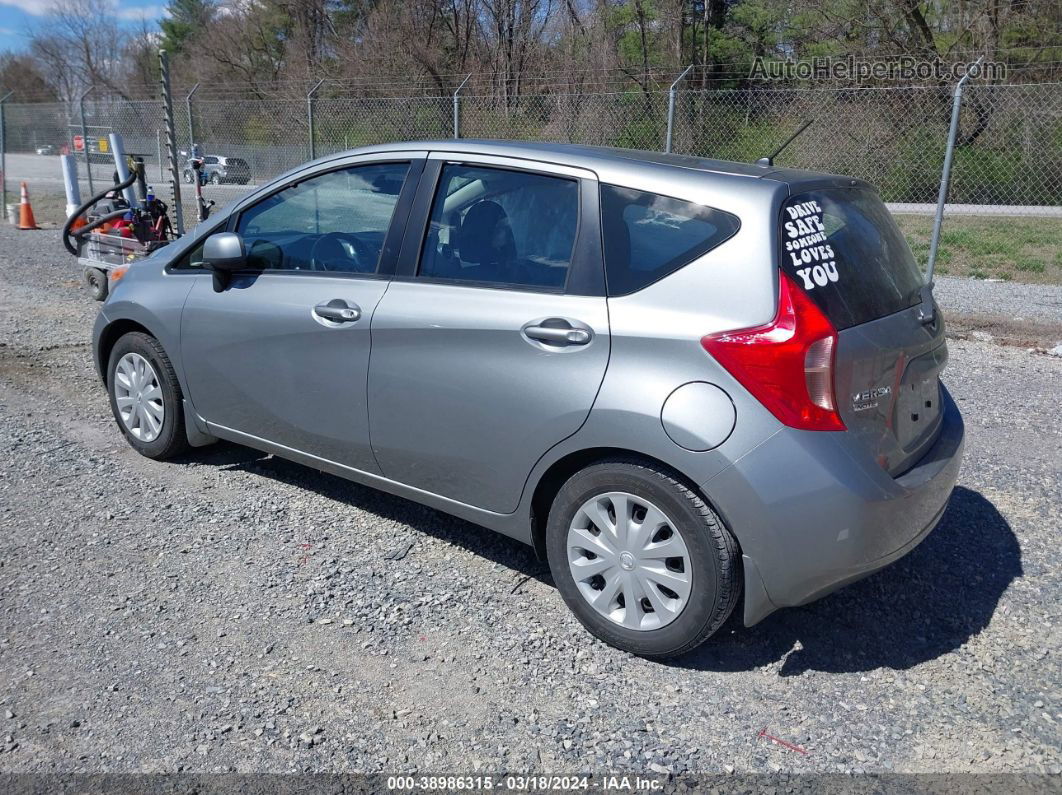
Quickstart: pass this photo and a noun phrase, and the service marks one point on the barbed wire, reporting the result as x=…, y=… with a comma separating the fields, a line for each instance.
x=607, y=80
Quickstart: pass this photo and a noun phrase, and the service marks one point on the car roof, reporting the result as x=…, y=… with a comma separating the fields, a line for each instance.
x=609, y=159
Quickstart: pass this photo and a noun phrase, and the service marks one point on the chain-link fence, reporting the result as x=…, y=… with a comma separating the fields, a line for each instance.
x=1008, y=159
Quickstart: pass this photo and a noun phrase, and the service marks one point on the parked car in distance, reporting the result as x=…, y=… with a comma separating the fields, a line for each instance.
x=47, y=149
x=681, y=380
x=218, y=169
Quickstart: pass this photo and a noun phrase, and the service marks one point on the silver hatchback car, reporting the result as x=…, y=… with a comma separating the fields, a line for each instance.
x=681, y=380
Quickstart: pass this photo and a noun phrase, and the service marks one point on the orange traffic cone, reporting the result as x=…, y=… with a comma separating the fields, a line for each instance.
x=25, y=212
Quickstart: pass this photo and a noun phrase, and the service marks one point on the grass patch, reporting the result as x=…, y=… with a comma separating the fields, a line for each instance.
x=990, y=247
x=49, y=209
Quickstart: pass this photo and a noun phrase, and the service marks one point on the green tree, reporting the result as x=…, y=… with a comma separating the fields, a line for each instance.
x=186, y=21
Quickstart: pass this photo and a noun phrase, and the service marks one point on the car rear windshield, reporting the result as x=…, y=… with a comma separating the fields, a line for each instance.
x=648, y=236
x=842, y=246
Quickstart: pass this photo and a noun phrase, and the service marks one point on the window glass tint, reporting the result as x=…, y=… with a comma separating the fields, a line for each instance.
x=334, y=222
x=648, y=236
x=501, y=227
x=842, y=246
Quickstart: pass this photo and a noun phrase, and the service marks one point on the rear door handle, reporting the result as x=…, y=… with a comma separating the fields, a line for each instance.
x=338, y=311
x=558, y=335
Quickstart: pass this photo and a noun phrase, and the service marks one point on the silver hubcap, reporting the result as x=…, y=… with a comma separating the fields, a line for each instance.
x=629, y=561
x=139, y=397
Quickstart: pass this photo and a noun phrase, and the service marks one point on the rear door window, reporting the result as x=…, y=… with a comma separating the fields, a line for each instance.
x=494, y=226
x=842, y=246
x=648, y=236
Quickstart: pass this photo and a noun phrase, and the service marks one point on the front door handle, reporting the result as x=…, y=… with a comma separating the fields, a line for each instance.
x=338, y=311
x=558, y=335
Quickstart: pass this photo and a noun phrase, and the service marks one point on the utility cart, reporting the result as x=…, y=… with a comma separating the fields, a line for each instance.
x=124, y=223
x=99, y=253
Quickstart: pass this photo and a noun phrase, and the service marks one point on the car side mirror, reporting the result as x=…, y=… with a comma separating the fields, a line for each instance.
x=223, y=253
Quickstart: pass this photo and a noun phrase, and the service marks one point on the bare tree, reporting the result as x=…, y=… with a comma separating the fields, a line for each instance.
x=83, y=47
x=511, y=31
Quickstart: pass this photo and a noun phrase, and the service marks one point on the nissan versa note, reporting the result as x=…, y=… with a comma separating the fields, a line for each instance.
x=681, y=380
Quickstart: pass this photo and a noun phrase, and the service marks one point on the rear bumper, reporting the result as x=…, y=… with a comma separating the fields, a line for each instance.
x=812, y=515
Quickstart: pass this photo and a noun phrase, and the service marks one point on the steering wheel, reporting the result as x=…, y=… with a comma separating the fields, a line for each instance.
x=341, y=251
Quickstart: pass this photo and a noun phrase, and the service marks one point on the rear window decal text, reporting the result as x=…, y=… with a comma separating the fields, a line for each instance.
x=813, y=259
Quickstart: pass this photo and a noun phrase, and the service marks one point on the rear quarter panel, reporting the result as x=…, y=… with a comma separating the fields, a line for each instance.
x=656, y=331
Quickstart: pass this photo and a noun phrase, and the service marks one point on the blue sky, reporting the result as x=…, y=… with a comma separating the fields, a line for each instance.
x=18, y=17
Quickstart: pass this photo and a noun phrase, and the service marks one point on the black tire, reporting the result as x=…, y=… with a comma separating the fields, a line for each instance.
x=189, y=177
x=172, y=440
x=215, y=178
x=96, y=280
x=714, y=556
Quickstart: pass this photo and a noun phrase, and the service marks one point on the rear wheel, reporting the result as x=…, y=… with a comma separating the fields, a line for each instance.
x=146, y=397
x=641, y=559
x=215, y=178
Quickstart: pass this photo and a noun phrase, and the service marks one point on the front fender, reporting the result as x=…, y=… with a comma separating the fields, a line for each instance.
x=152, y=302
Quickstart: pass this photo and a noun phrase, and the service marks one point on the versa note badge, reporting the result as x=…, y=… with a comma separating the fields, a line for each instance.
x=861, y=401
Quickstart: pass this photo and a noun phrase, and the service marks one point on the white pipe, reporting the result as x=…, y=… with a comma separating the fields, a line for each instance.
x=118, y=150
x=73, y=190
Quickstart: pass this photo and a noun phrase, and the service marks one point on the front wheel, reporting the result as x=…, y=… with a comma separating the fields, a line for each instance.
x=641, y=559
x=146, y=397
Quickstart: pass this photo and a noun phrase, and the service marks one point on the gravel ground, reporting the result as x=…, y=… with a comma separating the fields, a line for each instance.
x=233, y=611
x=1021, y=302
x=1022, y=315
x=1042, y=302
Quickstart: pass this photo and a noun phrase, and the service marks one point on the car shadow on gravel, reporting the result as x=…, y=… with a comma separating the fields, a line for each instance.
x=478, y=540
x=923, y=606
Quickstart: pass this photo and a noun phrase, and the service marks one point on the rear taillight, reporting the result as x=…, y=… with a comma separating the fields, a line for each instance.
x=786, y=364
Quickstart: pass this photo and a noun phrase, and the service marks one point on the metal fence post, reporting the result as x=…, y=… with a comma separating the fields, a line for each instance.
x=3, y=155
x=671, y=107
x=457, y=107
x=309, y=118
x=84, y=138
x=191, y=120
x=171, y=143
x=945, y=175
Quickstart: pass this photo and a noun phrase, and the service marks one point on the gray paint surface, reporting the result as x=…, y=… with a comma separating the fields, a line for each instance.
x=461, y=403
x=435, y=393
x=257, y=361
